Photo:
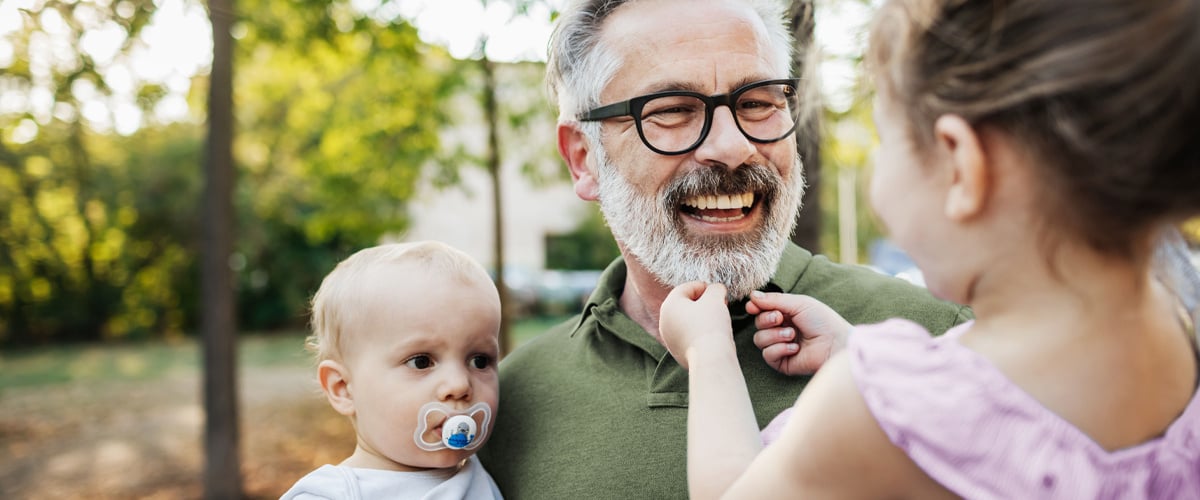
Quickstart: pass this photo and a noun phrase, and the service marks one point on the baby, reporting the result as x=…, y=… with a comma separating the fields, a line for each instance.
x=406, y=343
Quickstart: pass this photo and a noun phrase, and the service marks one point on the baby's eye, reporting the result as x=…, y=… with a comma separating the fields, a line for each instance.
x=419, y=362
x=481, y=361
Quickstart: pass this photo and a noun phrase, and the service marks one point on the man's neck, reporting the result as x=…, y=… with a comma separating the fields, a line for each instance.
x=642, y=297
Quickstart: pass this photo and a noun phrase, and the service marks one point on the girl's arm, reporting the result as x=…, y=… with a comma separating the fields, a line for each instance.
x=723, y=436
x=832, y=447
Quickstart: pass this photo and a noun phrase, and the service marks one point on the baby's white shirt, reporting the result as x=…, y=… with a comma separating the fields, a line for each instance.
x=351, y=483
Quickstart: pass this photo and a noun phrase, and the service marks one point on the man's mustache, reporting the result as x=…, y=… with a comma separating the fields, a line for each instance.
x=718, y=180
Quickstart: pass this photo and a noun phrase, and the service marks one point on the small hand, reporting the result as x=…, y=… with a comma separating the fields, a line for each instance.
x=822, y=332
x=695, y=315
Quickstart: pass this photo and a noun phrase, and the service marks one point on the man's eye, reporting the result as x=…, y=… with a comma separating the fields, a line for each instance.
x=419, y=362
x=673, y=110
x=481, y=362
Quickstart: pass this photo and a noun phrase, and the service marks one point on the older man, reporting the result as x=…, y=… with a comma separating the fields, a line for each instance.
x=678, y=117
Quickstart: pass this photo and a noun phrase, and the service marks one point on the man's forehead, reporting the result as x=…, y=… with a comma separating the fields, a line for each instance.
x=702, y=46
x=674, y=20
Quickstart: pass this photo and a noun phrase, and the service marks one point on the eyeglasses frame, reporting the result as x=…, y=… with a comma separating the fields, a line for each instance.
x=633, y=109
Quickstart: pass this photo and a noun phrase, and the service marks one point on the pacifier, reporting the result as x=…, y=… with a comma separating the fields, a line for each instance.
x=460, y=430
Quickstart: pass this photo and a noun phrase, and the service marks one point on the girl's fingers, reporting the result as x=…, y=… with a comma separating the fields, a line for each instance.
x=768, y=319
x=691, y=290
x=715, y=292
x=771, y=336
x=777, y=355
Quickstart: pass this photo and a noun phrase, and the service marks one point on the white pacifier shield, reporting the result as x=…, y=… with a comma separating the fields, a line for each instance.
x=460, y=431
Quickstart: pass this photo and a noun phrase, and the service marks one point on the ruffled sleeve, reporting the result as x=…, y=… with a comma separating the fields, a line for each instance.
x=934, y=402
x=972, y=430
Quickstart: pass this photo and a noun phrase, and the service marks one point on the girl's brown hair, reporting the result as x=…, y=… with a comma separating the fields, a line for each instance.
x=1104, y=93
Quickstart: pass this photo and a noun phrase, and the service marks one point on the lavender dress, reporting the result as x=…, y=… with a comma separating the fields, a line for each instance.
x=982, y=437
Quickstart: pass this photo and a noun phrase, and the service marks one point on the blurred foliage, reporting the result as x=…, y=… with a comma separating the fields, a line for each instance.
x=588, y=246
x=337, y=116
x=94, y=241
x=847, y=144
x=96, y=244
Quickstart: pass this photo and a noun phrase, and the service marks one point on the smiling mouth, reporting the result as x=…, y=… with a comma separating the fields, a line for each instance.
x=719, y=208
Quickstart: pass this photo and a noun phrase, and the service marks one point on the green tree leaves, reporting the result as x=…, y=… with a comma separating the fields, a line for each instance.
x=338, y=114
x=337, y=130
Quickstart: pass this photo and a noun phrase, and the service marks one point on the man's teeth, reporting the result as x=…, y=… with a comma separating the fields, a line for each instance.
x=730, y=201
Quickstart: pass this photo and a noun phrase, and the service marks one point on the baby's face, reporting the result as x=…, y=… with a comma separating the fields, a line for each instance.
x=421, y=337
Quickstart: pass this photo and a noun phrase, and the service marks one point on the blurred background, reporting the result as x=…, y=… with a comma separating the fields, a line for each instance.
x=355, y=122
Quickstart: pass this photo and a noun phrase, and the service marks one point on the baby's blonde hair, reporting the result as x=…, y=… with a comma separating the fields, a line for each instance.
x=337, y=303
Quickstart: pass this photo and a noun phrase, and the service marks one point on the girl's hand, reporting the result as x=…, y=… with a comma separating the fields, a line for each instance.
x=796, y=333
x=694, y=316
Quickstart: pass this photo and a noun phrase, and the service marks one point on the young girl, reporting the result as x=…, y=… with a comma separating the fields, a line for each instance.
x=1032, y=153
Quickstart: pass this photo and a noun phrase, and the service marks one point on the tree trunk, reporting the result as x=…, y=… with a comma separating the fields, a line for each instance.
x=808, y=133
x=491, y=114
x=222, y=471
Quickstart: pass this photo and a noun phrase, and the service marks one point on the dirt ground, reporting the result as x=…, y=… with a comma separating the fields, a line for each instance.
x=145, y=439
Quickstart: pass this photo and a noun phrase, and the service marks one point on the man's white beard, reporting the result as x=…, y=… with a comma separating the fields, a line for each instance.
x=652, y=231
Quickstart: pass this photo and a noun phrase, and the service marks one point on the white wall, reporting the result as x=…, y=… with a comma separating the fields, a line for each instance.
x=462, y=215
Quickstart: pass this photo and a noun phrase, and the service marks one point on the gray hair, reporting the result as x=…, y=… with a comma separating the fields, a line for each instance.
x=579, y=66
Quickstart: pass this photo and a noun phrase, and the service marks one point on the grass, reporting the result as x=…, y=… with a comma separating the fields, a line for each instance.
x=65, y=364
x=151, y=360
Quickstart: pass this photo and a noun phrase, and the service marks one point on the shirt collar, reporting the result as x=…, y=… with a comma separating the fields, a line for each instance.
x=604, y=303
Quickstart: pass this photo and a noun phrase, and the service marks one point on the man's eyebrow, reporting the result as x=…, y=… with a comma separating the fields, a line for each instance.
x=672, y=85
x=748, y=80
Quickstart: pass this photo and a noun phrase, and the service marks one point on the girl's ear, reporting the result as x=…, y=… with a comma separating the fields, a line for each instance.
x=970, y=182
x=573, y=147
x=335, y=383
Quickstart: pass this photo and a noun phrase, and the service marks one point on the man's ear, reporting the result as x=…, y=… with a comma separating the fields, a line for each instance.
x=574, y=148
x=970, y=184
x=335, y=383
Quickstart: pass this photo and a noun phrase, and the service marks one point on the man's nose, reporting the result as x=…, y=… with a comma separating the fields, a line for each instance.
x=726, y=144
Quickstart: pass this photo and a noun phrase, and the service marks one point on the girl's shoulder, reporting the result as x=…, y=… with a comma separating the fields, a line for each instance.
x=980, y=435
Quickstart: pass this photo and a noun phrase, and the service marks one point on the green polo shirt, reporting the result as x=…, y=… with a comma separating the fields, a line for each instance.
x=596, y=408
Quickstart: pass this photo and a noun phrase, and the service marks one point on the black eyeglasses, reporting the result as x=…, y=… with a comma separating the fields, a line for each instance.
x=676, y=121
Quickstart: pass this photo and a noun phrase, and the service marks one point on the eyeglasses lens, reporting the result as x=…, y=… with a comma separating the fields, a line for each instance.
x=764, y=113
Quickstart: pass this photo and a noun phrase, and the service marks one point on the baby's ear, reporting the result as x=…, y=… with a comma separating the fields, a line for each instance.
x=335, y=383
